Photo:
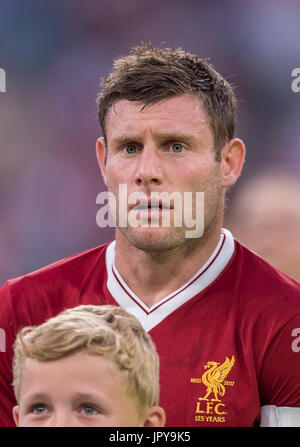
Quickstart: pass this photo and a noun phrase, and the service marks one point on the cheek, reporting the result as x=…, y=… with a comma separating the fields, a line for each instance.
x=118, y=172
x=113, y=178
x=201, y=178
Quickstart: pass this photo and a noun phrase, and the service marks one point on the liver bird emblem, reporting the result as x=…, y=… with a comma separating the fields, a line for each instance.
x=214, y=377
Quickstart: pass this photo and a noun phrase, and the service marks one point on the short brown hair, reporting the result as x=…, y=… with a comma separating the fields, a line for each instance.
x=107, y=331
x=152, y=74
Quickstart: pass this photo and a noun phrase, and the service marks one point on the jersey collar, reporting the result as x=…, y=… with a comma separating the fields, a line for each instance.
x=151, y=316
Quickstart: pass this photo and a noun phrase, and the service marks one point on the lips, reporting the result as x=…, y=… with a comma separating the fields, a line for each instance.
x=153, y=205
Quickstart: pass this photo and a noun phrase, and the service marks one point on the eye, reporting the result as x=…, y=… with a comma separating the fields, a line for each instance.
x=89, y=410
x=176, y=148
x=38, y=409
x=130, y=149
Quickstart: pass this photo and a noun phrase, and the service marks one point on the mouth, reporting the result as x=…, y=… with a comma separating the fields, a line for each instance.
x=153, y=206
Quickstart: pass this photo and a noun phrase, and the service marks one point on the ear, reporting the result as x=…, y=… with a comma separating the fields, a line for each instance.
x=16, y=411
x=155, y=417
x=232, y=160
x=101, y=156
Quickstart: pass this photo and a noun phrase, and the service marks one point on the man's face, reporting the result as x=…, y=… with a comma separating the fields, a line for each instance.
x=166, y=147
x=80, y=390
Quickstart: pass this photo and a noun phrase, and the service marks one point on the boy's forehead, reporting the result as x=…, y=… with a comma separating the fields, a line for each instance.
x=73, y=367
x=78, y=357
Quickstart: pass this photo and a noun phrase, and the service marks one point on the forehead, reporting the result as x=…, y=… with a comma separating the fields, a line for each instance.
x=80, y=359
x=81, y=368
x=182, y=113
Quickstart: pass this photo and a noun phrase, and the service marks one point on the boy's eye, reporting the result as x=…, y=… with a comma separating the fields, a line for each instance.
x=176, y=147
x=38, y=409
x=89, y=410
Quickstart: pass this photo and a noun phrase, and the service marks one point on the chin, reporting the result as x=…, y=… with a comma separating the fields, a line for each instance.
x=154, y=239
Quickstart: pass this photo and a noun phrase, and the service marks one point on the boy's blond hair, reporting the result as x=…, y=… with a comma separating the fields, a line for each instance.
x=108, y=331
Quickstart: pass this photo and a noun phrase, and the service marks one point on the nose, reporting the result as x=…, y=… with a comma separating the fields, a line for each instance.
x=149, y=168
x=63, y=418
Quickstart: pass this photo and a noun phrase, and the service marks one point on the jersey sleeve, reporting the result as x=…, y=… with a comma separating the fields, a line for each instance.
x=280, y=372
x=7, y=397
x=272, y=416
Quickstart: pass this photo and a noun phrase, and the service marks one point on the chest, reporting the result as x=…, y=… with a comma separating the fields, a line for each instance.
x=207, y=370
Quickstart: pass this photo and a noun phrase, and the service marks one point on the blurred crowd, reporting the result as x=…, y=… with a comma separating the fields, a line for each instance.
x=55, y=52
x=265, y=216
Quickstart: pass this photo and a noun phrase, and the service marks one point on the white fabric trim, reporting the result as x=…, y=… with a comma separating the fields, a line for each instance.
x=150, y=317
x=272, y=416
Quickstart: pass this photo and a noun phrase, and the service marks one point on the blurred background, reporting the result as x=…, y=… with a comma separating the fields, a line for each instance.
x=55, y=52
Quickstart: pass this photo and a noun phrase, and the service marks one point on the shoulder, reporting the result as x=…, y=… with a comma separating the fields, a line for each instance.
x=74, y=266
x=49, y=289
x=254, y=267
x=263, y=286
x=267, y=311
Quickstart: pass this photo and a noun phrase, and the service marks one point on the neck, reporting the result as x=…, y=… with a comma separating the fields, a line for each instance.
x=154, y=275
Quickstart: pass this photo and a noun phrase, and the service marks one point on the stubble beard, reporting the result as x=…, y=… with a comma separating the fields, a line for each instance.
x=165, y=240
x=155, y=239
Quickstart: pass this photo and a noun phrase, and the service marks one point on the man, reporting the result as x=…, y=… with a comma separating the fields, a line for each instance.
x=222, y=318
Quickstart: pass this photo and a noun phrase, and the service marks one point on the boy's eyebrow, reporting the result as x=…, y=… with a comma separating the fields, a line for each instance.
x=84, y=396
x=37, y=396
x=91, y=398
x=44, y=396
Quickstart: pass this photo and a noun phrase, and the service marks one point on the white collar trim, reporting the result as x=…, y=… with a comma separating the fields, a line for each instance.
x=151, y=316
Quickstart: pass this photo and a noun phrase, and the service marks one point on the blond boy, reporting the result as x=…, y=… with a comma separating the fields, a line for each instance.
x=87, y=366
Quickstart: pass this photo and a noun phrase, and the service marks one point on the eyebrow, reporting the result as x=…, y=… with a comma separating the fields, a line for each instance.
x=84, y=396
x=92, y=399
x=37, y=396
x=122, y=139
x=35, y=399
x=42, y=397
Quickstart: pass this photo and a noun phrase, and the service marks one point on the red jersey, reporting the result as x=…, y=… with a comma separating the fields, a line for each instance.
x=226, y=338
